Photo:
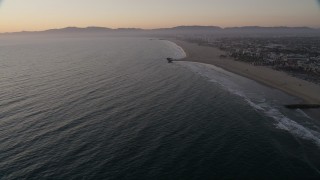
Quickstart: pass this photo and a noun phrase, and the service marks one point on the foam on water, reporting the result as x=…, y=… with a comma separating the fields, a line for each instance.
x=303, y=113
x=235, y=85
x=293, y=127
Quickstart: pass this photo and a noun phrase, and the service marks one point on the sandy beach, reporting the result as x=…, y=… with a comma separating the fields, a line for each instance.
x=307, y=91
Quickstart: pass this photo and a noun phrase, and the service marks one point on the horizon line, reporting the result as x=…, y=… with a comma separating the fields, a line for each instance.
x=150, y=29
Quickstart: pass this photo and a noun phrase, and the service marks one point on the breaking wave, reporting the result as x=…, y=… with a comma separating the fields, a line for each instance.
x=237, y=85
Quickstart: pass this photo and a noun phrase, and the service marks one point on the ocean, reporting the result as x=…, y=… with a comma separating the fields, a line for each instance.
x=113, y=108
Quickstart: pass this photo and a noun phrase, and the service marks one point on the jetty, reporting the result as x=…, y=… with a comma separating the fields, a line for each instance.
x=302, y=106
x=170, y=60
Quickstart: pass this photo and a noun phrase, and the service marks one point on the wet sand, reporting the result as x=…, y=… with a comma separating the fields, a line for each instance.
x=307, y=91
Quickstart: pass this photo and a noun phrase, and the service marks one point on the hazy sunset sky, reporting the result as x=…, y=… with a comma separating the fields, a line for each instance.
x=18, y=15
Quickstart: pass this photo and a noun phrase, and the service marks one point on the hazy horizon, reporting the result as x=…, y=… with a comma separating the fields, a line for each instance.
x=37, y=15
x=148, y=29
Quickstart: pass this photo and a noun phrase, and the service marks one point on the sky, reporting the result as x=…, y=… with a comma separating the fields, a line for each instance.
x=31, y=15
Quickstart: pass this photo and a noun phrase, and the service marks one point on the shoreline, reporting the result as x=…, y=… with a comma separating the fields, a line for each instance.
x=308, y=92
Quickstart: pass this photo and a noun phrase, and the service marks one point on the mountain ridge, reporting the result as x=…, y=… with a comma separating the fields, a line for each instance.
x=178, y=29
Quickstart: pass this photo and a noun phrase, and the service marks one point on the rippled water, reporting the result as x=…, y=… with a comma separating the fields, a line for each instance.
x=113, y=108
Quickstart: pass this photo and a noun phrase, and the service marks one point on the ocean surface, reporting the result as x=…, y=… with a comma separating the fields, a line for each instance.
x=113, y=108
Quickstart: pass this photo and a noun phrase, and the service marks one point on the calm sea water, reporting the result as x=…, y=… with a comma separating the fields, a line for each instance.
x=113, y=108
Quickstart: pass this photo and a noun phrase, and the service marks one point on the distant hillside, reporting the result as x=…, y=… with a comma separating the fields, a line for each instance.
x=271, y=30
x=77, y=30
x=246, y=30
x=193, y=28
x=184, y=30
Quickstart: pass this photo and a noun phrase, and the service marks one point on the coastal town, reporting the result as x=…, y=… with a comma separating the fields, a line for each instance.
x=297, y=56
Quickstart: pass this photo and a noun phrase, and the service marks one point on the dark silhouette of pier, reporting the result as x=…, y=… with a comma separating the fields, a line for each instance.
x=170, y=60
x=302, y=106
